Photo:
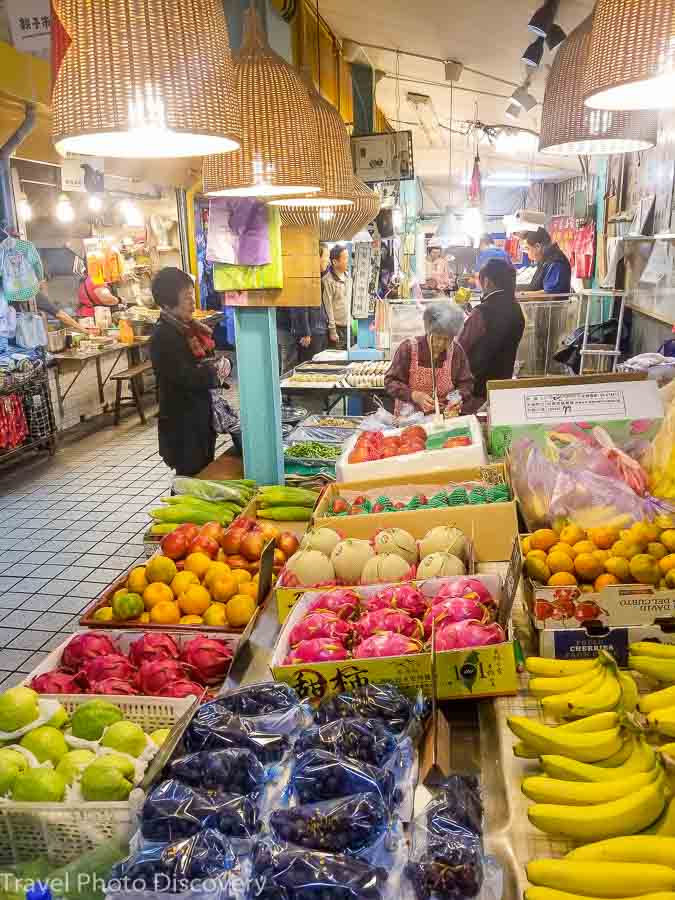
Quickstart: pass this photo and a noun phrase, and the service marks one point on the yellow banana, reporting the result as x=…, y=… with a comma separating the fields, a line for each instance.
x=583, y=726
x=543, y=789
x=556, y=705
x=634, y=848
x=663, y=720
x=627, y=815
x=650, y=648
x=642, y=759
x=583, y=747
x=665, y=827
x=618, y=758
x=657, y=700
x=600, y=879
x=659, y=669
x=542, y=687
x=552, y=668
x=543, y=893
x=629, y=692
x=667, y=749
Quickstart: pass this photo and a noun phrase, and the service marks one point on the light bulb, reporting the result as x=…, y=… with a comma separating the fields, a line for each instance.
x=95, y=202
x=24, y=209
x=64, y=210
x=473, y=223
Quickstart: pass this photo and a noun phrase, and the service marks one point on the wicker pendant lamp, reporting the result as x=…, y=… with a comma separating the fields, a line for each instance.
x=568, y=128
x=279, y=153
x=631, y=62
x=340, y=223
x=337, y=174
x=143, y=79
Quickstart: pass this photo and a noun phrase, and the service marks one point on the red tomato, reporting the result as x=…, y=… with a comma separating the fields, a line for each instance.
x=388, y=452
x=359, y=455
x=415, y=431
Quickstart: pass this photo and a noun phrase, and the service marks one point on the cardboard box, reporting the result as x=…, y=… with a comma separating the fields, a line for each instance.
x=459, y=674
x=622, y=404
x=491, y=529
x=585, y=641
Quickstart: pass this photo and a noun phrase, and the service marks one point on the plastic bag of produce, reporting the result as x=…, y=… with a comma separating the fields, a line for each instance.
x=259, y=699
x=319, y=775
x=286, y=719
x=173, y=811
x=216, y=729
x=176, y=867
x=367, y=740
x=383, y=702
x=284, y=873
x=235, y=770
x=458, y=805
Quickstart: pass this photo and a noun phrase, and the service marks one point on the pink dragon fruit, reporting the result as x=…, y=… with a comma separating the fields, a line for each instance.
x=469, y=588
x=388, y=620
x=113, y=665
x=403, y=597
x=343, y=603
x=183, y=688
x=321, y=625
x=454, y=609
x=57, y=682
x=459, y=635
x=86, y=646
x=208, y=659
x=315, y=651
x=156, y=676
x=386, y=643
x=111, y=685
x=153, y=646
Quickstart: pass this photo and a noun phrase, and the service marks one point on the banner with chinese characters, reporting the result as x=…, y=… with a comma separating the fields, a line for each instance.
x=30, y=26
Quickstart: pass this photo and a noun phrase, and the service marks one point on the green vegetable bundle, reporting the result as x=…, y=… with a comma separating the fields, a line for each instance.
x=286, y=513
x=240, y=491
x=313, y=450
x=277, y=495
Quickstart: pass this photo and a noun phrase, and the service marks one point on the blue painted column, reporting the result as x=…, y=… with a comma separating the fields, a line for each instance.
x=259, y=393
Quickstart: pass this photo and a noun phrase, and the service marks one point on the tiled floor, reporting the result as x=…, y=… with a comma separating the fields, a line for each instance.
x=68, y=526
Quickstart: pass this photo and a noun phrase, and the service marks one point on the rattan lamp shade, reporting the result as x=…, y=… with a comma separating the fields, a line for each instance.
x=337, y=174
x=568, y=128
x=631, y=63
x=340, y=223
x=144, y=79
x=279, y=152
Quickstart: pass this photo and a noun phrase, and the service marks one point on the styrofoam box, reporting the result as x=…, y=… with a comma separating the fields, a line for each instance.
x=413, y=463
x=60, y=833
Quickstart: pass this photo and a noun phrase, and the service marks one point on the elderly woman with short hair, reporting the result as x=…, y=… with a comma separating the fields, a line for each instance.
x=409, y=378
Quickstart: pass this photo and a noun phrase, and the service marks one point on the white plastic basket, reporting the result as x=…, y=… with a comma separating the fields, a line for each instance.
x=61, y=832
x=158, y=712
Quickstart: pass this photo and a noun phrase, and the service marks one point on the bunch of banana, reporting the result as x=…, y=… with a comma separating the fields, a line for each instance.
x=637, y=866
x=581, y=688
x=657, y=661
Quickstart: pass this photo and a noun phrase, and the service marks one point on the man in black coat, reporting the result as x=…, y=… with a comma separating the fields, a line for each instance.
x=179, y=349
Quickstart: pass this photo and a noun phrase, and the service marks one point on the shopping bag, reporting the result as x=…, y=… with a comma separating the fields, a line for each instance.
x=30, y=331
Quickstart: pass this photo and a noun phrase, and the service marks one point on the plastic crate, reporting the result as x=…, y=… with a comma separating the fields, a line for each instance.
x=60, y=832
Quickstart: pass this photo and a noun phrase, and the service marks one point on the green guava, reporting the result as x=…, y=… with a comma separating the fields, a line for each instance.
x=116, y=761
x=102, y=782
x=73, y=763
x=59, y=719
x=12, y=763
x=126, y=737
x=160, y=735
x=45, y=743
x=92, y=718
x=39, y=786
x=18, y=708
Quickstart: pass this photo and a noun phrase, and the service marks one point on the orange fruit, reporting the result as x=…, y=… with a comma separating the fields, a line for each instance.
x=198, y=563
x=561, y=578
x=603, y=537
x=625, y=549
x=240, y=610
x=215, y=616
x=543, y=539
x=224, y=588
x=182, y=582
x=165, y=613
x=584, y=547
x=602, y=555
x=656, y=549
x=157, y=592
x=537, y=554
x=194, y=601
x=572, y=534
x=137, y=582
x=645, y=569
x=537, y=570
x=240, y=575
x=668, y=539
x=250, y=588
x=215, y=571
x=144, y=618
x=588, y=567
x=620, y=568
x=667, y=563
x=559, y=562
x=586, y=588
x=604, y=580
x=525, y=546
x=160, y=568
x=567, y=549
x=191, y=620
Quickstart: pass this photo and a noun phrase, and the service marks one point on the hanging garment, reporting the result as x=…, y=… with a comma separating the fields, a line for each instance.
x=238, y=232
x=251, y=278
x=20, y=269
x=583, y=251
x=13, y=427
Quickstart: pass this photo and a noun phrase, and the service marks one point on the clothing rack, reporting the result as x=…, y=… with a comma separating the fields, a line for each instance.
x=35, y=396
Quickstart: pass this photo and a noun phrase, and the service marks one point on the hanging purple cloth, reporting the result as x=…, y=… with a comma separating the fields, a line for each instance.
x=238, y=232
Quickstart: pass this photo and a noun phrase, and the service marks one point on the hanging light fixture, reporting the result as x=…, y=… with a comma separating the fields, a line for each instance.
x=513, y=111
x=534, y=53
x=523, y=97
x=337, y=174
x=279, y=153
x=143, y=79
x=64, y=209
x=568, y=128
x=338, y=223
x=555, y=37
x=631, y=61
x=542, y=21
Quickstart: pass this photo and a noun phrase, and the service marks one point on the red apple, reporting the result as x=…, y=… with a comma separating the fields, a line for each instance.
x=214, y=530
x=190, y=531
x=252, y=545
x=288, y=543
x=175, y=545
x=279, y=557
x=269, y=532
x=236, y=561
x=231, y=540
x=204, y=544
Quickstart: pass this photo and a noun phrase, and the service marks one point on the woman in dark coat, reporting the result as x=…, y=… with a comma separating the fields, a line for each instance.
x=179, y=350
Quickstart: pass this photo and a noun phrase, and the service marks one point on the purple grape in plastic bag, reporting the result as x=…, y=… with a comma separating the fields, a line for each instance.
x=335, y=826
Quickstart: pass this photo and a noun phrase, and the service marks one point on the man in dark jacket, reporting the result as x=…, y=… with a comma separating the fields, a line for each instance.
x=179, y=350
x=554, y=273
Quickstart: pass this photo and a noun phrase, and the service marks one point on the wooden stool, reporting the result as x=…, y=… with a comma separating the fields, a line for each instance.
x=131, y=375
